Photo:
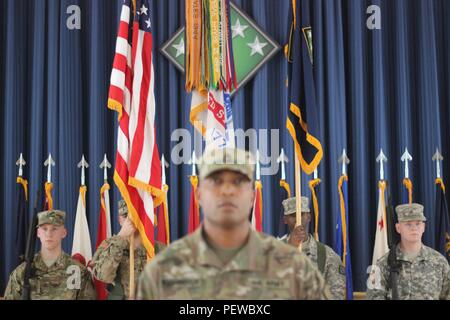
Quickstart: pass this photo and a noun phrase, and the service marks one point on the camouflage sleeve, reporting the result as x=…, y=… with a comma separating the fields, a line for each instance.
x=147, y=286
x=159, y=246
x=378, y=281
x=335, y=275
x=107, y=258
x=310, y=283
x=14, y=288
x=87, y=290
x=445, y=293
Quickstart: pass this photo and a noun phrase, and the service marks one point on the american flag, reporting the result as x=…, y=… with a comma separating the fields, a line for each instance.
x=138, y=168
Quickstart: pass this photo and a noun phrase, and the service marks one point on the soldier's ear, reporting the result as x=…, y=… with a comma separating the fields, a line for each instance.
x=38, y=232
x=397, y=227
x=64, y=232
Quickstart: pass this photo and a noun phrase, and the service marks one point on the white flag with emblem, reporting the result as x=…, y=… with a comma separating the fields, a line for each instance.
x=381, y=241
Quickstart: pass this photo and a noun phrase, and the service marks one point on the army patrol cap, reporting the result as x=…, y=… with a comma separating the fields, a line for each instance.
x=410, y=212
x=233, y=159
x=123, y=209
x=54, y=217
x=289, y=205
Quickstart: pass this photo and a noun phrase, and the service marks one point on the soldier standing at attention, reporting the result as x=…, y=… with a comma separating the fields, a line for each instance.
x=327, y=261
x=224, y=258
x=421, y=273
x=55, y=274
x=111, y=261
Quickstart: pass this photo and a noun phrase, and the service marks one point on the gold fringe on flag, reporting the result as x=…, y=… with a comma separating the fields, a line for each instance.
x=312, y=185
x=408, y=184
x=48, y=194
x=24, y=184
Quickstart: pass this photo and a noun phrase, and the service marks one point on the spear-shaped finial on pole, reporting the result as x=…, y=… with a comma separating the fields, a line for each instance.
x=406, y=157
x=283, y=159
x=164, y=165
x=381, y=158
x=105, y=165
x=49, y=163
x=21, y=162
x=83, y=165
x=344, y=160
x=438, y=158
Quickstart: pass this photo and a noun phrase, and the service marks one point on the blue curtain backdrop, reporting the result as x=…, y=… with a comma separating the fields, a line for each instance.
x=385, y=88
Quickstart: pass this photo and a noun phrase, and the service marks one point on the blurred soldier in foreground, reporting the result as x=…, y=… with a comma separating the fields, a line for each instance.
x=224, y=258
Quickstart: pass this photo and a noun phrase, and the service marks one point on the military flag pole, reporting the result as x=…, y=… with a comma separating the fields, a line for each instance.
x=342, y=226
x=381, y=246
x=283, y=160
x=298, y=194
x=442, y=226
x=312, y=186
x=163, y=211
x=21, y=209
x=49, y=185
x=437, y=157
x=81, y=245
x=406, y=157
x=258, y=203
x=132, y=289
x=194, y=211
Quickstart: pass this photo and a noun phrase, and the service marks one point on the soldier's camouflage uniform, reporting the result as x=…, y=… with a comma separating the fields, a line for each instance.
x=111, y=264
x=427, y=277
x=264, y=268
x=66, y=279
x=333, y=271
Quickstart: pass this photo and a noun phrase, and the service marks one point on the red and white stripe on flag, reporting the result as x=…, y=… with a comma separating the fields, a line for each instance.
x=81, y=246
x=138, y=169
